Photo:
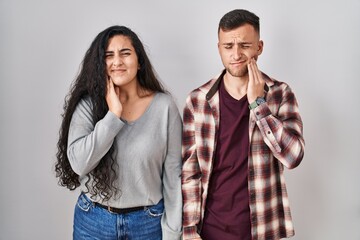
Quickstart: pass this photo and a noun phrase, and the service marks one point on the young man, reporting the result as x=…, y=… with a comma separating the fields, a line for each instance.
x=240, y=130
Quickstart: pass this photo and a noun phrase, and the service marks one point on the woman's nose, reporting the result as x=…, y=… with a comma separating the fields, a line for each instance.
x=117, y=61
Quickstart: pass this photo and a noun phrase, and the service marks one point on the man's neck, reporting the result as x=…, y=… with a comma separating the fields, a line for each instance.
x=236, y=86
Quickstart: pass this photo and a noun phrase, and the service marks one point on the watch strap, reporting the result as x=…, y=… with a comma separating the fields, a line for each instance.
x=257, y=102
x=253, y=105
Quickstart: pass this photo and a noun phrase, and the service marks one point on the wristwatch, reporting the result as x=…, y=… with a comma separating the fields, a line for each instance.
x=257, y=102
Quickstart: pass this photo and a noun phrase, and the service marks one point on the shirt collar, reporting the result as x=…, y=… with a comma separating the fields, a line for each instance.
x=215, y=87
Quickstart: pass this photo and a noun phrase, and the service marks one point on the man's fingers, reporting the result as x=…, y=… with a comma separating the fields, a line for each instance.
x=255, y=71
x=251, y=72
x=258, y=74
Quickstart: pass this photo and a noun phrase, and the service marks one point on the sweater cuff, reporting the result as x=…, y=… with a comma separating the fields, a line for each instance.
x=190, y=233
x=168, y=234
x=113, y=122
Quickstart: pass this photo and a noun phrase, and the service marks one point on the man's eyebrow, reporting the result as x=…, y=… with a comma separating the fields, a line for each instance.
x=240, y=43
x=227, y=43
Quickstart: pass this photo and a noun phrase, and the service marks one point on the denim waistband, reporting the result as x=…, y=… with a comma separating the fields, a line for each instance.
x=85, y=200
x=121, y=210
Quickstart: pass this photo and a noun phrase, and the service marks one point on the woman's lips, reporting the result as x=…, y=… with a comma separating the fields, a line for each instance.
x=118, y=70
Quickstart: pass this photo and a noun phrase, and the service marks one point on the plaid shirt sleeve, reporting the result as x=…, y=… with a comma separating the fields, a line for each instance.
x=281, y=126
x=191, y=176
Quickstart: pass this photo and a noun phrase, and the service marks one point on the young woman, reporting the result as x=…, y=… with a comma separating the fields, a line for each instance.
x=120, y=142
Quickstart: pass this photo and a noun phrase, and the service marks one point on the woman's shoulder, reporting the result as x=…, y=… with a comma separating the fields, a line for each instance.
x=165, y=100
x=86, y=102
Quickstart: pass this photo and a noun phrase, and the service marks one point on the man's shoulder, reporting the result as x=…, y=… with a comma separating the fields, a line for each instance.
x=204, y=88
x=274, y=83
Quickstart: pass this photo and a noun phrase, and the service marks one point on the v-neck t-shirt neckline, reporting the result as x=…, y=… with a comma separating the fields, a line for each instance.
x=148, y=108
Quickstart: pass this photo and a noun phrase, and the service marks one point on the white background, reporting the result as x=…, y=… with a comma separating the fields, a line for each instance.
x=311, y=45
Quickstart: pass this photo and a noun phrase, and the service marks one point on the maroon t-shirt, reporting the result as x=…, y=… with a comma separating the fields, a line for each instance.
x=227, y=213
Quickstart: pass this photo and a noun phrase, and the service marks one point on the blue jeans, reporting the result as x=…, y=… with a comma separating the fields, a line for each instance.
x=94, y=222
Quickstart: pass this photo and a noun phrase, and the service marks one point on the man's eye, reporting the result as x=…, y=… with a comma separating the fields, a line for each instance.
x=108, y=55
x=125, y=54
x=228, y=47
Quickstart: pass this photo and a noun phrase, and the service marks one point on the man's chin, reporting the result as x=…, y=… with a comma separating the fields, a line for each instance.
x=238, y=73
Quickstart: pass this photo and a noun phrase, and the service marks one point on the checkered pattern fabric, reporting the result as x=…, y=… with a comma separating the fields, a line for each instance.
x=276, y=140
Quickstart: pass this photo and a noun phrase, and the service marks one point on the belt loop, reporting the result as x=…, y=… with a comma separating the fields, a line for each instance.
x=109, y=209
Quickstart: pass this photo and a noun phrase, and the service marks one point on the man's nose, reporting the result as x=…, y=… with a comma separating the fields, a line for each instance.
x=237, y=53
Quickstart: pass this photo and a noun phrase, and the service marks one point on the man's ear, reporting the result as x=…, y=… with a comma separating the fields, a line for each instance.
x=260, y=47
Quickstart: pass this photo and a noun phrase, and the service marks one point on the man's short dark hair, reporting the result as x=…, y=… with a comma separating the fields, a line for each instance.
x=237, y=18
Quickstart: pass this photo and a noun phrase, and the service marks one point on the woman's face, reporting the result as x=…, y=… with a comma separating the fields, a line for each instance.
x=121, y=61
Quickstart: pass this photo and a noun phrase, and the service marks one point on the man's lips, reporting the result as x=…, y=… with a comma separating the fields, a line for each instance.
x=238, y=63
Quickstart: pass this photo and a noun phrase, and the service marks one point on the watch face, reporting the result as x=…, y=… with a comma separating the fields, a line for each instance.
x=260, y=100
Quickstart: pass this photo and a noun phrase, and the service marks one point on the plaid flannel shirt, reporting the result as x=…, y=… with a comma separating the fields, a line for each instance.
x=276, y=140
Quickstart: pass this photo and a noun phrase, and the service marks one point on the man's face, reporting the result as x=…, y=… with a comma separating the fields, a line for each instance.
x=237, y=47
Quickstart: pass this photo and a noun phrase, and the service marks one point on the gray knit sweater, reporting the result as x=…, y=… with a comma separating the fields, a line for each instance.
x=147, y=151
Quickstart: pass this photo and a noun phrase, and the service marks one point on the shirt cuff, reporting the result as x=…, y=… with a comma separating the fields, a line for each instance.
x=261, y=111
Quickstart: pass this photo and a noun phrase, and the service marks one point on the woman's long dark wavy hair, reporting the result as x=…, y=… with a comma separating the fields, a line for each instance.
x=91, y=82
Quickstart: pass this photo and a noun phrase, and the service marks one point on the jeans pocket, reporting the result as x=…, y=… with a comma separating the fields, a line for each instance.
x=84, y=203
x=156, y=210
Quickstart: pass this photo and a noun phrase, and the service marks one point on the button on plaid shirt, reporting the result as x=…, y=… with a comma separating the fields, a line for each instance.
x=276, y=140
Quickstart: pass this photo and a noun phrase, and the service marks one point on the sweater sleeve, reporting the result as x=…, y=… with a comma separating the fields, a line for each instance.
x=89, y=142
x=172, y=218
